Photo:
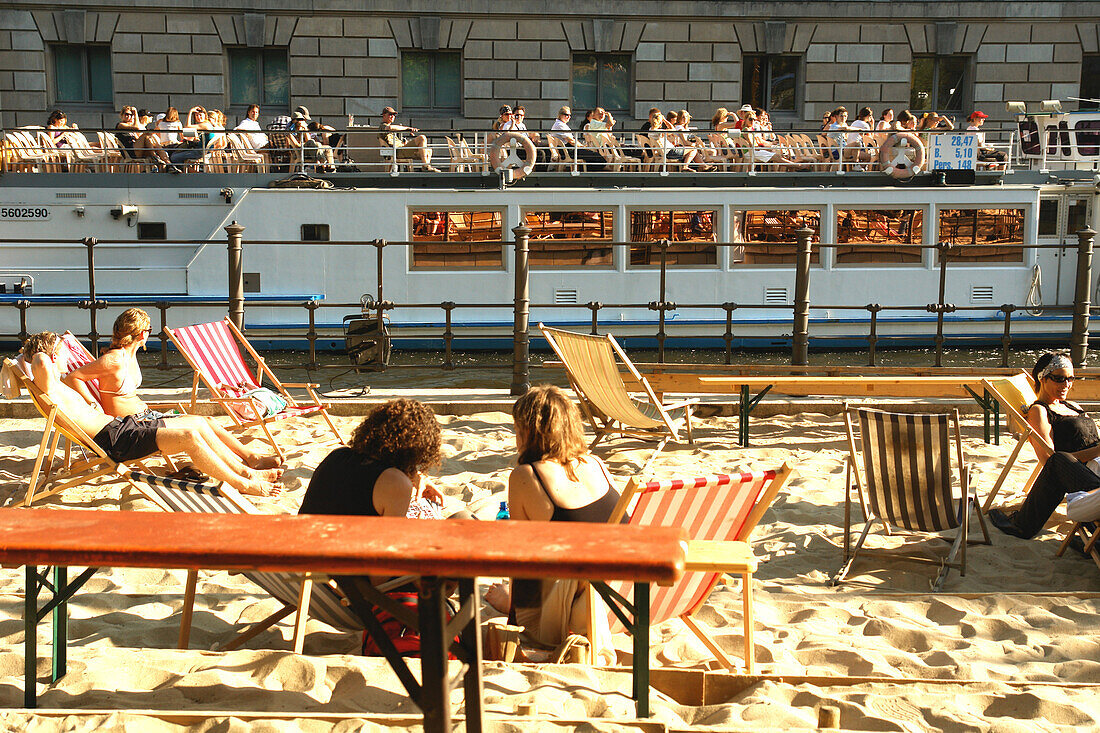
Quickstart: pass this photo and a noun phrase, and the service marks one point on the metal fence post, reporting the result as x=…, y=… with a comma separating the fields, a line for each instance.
x=800, y=337
x=1079, y=340
x=941, y=307
x=236, y=274
x=662, y=302
x=521, y=380
x=90, y=243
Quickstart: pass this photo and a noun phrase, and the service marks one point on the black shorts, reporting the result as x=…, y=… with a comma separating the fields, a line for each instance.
x=129, y=438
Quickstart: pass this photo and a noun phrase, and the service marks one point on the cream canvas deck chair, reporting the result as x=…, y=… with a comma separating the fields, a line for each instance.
x=904, y=480
x=590, y=362
x=213, y=351
x=719, y=514
x=93, y=463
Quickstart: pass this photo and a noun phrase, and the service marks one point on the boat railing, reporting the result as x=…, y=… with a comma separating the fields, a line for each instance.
x=312, y=329
x=361, y=149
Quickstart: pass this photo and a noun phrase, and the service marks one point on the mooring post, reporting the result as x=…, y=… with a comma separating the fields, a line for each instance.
x=90, y=243
x=236, y=274
x=521, y=380
x=1079, y=340
x=800, y=337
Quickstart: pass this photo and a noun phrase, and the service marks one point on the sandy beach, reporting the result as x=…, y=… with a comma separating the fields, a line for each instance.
x=1013, y=646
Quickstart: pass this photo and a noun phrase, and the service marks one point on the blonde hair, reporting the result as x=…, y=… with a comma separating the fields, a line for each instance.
x=128, y=327
x=45, y=342
x=548, y=427
x=719, y=114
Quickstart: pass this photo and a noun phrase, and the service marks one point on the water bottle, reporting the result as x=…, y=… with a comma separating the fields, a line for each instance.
x=502, y=513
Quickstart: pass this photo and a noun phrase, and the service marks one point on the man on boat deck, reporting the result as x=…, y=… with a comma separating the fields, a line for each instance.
x=414, y=149
x=130, y=439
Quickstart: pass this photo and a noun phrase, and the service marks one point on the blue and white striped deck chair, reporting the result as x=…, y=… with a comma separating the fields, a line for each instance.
x=295, y=592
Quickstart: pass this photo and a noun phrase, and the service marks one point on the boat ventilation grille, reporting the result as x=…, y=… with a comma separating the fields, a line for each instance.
x=189, y=195
x=775, y=296
x=70, y=195
x=565, y=297
x=981, y=293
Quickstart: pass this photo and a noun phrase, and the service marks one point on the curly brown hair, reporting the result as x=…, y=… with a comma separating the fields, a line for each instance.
x=548, y=426
x=46, y=342
x=402, y=433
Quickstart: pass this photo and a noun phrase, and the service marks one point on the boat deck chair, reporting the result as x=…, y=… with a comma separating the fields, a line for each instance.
x=904, y=480
x=593, y=371
x=94, y=463
x=212, y=351
x=719, y=514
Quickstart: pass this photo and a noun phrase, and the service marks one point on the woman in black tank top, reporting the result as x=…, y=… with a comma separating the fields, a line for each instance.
x=557, y=480
x=1075, y=439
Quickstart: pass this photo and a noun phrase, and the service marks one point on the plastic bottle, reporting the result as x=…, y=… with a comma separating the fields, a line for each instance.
x=502, y=513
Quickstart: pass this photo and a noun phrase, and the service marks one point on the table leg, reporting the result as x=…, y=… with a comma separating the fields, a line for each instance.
x=434, y=648
x=60, y=623
x=743, y=417
x=30, y=639
x=471, y=641
x=641, y=649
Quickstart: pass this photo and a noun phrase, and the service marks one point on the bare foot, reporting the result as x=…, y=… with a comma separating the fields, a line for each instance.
x=499, y=597
x=261, y=462
x=260, y=488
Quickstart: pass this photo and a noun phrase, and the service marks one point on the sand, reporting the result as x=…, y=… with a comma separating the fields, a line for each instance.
x=1014, y=645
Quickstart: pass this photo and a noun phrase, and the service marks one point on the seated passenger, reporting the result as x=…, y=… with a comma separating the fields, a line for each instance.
x=169, y=120
x=136, y=143
x=557, y=480
x=1065, y=472
x=131, y=439
x=120, y=376
x=416, y=148
x=251, y=123
x=198, y=137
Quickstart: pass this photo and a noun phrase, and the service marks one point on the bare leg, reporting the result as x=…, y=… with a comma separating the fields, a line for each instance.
x=182, y=439
x=200, y=426
x=251, y=458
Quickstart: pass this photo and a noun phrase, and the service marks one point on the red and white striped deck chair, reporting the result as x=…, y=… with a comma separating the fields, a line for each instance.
x=718, y=513
x=212, y=351
x=73, y=356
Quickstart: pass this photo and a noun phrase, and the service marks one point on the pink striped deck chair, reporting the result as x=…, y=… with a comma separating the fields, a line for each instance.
x=74, y=356
x=212, y=351
x=719, y=514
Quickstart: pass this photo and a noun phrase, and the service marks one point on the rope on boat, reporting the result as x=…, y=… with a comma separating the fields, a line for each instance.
x=1033, y=301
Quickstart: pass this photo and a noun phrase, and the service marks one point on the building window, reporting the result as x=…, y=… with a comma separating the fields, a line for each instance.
x=83, y=73
x=771, y=82
x=1090, y=83
x=259, y=76
x=601, y=80
x=431, y=81
x=939, y=83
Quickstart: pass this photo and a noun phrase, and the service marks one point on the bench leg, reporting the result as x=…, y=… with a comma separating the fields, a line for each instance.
x=470, y=638
x=30, y=639
x=641, y=649
x=435, y=687
x=60, y=623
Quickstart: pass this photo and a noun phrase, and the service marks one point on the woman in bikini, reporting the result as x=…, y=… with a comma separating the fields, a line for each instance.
x=557, y=480
x=119, y=378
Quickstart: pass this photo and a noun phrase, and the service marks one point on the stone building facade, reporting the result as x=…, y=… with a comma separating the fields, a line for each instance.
x=677, y=53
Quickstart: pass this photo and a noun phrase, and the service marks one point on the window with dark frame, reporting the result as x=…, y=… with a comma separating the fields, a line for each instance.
x=601, y=80
x=1090, y=82
x=431, y=81
x=315, y=233
x=771, y=82
x=939, y=84
x=152, y=230
x=82, y=73
x=259, y=76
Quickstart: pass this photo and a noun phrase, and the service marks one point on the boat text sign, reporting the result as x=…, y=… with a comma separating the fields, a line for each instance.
x=954, y=152
x=24, y=212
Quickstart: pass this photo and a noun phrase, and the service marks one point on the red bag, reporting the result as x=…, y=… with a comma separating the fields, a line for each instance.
x=405, y=639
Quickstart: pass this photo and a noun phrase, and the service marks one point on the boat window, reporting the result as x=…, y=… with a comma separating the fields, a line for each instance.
x=457, y=239
x=984, y=235
x=315, y=232
x=570, y=238
x=691, y=236
x=873, y=235
x=768, y=237
x=1048, y=217
x=1077, y=217
x=152, y=230
x=1088, y=137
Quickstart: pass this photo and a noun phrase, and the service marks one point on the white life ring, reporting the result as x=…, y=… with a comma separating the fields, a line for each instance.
x=512, y=160
x=902, y=155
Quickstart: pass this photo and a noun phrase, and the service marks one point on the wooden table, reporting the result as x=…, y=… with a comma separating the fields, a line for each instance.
x=344, y=547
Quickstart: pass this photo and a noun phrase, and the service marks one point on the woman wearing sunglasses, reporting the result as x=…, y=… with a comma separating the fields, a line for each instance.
x=1063, y=424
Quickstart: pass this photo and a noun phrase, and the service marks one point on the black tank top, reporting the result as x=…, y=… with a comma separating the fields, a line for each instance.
x=343, y=484
x=1071, y=433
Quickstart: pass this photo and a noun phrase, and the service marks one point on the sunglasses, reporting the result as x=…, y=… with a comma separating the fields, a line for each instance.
x=1060, y=379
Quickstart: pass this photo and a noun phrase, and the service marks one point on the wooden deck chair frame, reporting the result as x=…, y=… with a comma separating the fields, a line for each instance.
x=968, y=499
x=618, y=414
x=95, y=463
x=262, y=370
x=718, y=556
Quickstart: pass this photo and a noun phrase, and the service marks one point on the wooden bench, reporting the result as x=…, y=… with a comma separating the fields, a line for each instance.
x=345, y=547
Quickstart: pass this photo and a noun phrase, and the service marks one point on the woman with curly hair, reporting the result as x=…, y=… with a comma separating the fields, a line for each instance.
x=379, y=473
x=557, y=480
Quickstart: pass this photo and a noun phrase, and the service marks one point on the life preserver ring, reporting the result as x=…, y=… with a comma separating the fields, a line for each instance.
x=502, y=161
x=902, y=155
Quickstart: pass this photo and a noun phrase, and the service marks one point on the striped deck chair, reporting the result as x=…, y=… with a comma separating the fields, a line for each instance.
x=74, y=356
x=903, y=478
x=94, y=462
x=593, y=371
x=719, y=514
x=212, y=351
x=313, y=593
